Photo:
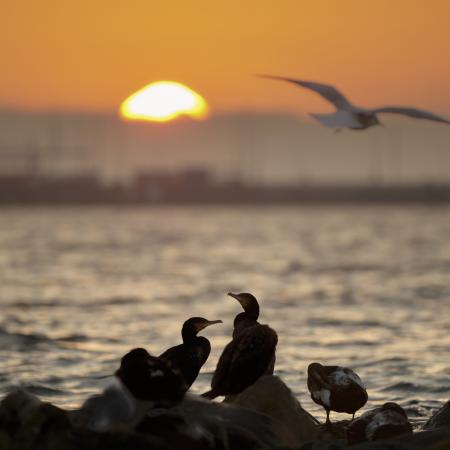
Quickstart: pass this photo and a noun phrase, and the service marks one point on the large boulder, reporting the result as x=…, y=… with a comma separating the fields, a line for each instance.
x=383, y=422
x=292, y=425
x=210, y=425
x=440, y=419
x=424, y=440
x=26, y=423
x=112, y=421
x=113, y=409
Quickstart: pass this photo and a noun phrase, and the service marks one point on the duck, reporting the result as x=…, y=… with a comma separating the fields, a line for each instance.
x=336, y=388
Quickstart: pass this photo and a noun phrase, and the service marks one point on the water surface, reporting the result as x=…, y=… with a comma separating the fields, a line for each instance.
x=364, y=287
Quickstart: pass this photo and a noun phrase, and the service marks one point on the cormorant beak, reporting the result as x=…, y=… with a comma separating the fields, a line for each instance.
x=207, y=324
x=238, y=298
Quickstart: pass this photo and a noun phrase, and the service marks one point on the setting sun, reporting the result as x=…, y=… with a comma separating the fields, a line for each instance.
x=162, y=101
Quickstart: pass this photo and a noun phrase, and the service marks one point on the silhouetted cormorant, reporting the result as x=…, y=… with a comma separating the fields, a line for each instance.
x=190, y=356
x=336, y=388
x=248, y=356
x=150, y=378
x=384, y=422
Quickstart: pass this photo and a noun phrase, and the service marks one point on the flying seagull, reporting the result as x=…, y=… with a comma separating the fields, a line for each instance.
x=351, y=116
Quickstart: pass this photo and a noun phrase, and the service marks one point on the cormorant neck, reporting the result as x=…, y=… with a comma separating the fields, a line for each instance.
x=251, y=311
x=244, y=320
x=188, y=333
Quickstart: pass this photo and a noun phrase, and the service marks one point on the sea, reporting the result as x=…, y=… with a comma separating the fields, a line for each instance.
x=357, y=286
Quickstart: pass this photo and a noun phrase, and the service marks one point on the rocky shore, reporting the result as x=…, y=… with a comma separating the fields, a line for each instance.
x=264, y=416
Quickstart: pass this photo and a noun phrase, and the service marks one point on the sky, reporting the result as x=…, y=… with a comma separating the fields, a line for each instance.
x=91, y=55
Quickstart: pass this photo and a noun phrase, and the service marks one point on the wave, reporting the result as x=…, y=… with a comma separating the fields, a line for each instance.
x=41, y=389
x=64, y=303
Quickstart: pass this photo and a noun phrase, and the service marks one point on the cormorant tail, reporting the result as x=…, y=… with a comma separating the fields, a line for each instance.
x=210, y=394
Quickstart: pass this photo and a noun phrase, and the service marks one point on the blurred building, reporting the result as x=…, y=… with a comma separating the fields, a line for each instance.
x=266, y=149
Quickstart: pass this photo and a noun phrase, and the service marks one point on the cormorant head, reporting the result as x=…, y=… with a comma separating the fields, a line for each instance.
x=249, y=303
x=194, y=325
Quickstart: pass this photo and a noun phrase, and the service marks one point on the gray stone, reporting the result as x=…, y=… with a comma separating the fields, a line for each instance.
x=113, y=409
x=424, y=440
x=440, y=418
x=211, y=425
x=270, y=396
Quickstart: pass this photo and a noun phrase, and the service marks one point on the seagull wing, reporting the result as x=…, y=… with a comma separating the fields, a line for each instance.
x=328, y=92
x=338, y=119
x=411, y=112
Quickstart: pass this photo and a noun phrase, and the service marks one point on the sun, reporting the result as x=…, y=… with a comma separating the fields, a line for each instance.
x=162, y=101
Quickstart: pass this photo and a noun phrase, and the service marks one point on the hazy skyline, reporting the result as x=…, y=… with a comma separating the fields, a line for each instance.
x=89, y=56
x=268, y=148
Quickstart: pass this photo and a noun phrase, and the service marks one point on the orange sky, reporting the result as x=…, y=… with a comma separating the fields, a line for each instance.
x=90, y=55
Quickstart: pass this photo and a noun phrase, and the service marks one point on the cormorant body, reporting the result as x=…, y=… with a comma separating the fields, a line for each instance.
x=336, y=388
x=248, y=356
x=384, y=422
x=150, y=378
x=190, y=356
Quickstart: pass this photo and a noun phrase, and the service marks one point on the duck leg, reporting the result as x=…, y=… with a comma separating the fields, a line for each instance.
x=328, y=417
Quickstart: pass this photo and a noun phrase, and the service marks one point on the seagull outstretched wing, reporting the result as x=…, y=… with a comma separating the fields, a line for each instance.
x=338, y=119
x=411, y=112
x=328, y=92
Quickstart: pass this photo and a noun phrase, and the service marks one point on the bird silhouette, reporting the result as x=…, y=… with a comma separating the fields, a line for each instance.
x=350, y=116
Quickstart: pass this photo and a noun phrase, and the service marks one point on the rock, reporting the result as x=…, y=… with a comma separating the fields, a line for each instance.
x=439, y=419
x=26, y=423
x=335, y=432
x=113, y=409
x=383, y=422
x=292, y=425
x=323, y=445
x=202, y=424
x=30, y=423
x=424, y=440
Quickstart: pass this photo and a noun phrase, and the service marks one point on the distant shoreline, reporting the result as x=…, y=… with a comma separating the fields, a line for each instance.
x=197, y=187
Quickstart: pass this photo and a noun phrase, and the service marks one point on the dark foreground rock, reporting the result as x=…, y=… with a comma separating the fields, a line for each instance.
x=292, y=425
x=264, y=417
x=424, y=440
x=210, y=425
x=440, y=419
x=26, y=423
